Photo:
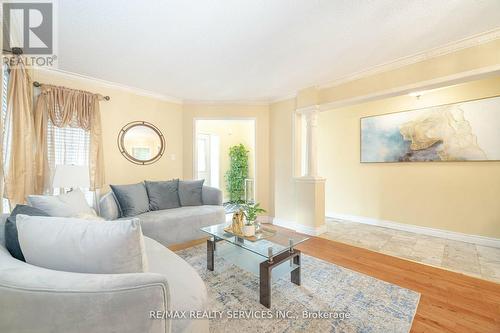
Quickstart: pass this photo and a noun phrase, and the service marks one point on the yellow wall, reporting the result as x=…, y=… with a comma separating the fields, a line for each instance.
x=457, y=196
x=125, y=107
x=471, y=177
x=230, y=133
x=228, y=111
x=466, y=199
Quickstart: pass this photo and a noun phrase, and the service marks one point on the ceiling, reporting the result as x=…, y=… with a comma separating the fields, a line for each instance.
x=253, y=50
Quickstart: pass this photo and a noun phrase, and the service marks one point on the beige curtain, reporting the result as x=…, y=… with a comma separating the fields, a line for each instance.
x=19, y=170
x=74, y=108
x=1, y=146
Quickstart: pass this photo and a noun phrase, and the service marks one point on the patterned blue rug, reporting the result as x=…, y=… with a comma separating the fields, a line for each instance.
x=347, y=301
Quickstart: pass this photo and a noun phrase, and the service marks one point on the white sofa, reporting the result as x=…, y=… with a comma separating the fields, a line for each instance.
x=35, y=299
x=176, y=225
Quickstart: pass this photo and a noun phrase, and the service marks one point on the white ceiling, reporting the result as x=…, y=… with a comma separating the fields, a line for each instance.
x=259, y=50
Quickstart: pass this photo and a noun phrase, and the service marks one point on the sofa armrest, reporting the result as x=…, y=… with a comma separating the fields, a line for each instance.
x=211, y=196
x=35, y=299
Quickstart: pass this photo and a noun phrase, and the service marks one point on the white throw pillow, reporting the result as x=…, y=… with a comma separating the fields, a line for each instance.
x=82, y=246
x=71, y=204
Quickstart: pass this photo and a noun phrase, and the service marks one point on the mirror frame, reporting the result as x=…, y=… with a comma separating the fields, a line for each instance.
x=121, y=144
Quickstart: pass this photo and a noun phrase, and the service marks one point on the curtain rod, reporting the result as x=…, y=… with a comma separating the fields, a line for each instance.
x=14, y=50
x=38, y=84
x=19, y=51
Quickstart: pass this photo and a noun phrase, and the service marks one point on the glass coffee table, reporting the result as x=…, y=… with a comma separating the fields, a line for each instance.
x=269, y=258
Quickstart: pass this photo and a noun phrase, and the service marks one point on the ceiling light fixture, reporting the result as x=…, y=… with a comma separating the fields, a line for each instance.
x=420, y=93
x=417, y=94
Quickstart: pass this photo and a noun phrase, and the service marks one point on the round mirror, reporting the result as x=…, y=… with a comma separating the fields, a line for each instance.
x=141, y=142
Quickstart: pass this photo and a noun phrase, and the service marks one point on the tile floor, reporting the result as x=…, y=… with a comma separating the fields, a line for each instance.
x=471, y=259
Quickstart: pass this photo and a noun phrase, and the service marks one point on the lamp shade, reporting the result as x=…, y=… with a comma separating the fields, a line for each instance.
x=70, y=176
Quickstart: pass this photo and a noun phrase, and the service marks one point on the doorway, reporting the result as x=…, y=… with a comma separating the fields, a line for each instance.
x=213, y=141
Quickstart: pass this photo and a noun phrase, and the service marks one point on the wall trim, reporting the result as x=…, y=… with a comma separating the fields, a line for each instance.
x=236, y=102
x=437, y=83
x=445, y=49
x=299, y=227
x=453, y=235
x=114, y=85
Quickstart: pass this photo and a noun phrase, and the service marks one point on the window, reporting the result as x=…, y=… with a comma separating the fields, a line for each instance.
x=207, y=147
x=142, y=153
x=68, y=146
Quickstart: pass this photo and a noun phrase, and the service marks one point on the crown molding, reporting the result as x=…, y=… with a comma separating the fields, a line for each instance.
x=147, y=93
x=240, y=102
x=109, y=84
x=431, y=85
x=448, y=48
x=308, y=109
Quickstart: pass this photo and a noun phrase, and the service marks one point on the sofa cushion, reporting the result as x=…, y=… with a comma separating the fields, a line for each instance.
x=132, y=199
x=11, y=237
x=71, y=204
x=108, y=207
x=190, y=192
x=82, y=246
x=179, y=225
x=163, y=194
x=187, y=289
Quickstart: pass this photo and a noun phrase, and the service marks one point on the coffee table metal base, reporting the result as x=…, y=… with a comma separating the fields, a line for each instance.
x=265, y=269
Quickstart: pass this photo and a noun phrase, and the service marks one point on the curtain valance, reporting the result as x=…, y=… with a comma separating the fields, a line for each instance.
x=68, y=107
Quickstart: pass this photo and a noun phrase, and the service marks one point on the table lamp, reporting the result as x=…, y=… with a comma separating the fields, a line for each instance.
x=71, y=176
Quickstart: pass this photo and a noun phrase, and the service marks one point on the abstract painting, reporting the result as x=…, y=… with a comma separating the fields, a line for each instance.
x=466, y=131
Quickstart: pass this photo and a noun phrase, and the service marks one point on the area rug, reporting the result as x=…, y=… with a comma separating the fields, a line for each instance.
x=330, y=299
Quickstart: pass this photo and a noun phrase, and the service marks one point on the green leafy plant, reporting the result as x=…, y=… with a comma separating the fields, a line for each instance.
x=251, y=211
x=237, y=173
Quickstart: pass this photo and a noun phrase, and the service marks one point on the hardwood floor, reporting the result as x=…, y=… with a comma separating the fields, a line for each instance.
x=450, y=302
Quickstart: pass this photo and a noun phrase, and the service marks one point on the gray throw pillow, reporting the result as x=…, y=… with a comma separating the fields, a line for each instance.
x=190, y=192
x=163, y=195
x=132, y=199
x=11, y=237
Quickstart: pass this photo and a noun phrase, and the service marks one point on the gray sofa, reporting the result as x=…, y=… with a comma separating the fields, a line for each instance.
x=176, y=225
x=35, y=299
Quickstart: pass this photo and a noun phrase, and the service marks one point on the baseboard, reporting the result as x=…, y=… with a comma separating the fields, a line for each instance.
x=299, y=227
x=474, y=239
x=266, y=219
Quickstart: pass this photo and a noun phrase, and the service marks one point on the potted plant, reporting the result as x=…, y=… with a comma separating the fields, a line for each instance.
x=251, y=211
x=237, y=173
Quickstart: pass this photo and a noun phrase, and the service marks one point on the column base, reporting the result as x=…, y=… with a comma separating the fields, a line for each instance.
x=311, y=231
x=310, y=205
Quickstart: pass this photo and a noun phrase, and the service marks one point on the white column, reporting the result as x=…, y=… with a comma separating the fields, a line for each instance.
x=310, y=189
x=311, y=143
x=310, y=114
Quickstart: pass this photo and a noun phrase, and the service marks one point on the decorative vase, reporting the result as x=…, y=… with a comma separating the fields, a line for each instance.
x=249, y=230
